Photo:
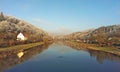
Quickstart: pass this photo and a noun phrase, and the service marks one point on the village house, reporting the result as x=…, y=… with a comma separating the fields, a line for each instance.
x=21, y=37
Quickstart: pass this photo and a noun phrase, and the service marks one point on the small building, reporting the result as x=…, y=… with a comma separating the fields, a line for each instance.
x=21, y=37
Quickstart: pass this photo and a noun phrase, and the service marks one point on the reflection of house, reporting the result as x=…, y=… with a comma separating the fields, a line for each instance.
x=20, y=54
x=21, y=37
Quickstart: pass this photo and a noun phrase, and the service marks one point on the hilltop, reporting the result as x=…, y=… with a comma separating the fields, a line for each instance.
x=10, y=27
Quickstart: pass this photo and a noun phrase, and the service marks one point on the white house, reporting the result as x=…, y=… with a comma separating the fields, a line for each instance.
x=21, y=37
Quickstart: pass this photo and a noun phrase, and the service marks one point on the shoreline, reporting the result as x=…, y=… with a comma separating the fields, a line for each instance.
x=111, y=50
x=21, y=47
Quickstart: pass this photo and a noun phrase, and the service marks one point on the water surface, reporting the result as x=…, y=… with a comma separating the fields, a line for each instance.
x=61, y=58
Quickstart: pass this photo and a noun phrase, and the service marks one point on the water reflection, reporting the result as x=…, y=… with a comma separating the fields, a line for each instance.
x=20, y=54
x=12, y=58
x=99, y=55
x=66, y=57
x=102, y=56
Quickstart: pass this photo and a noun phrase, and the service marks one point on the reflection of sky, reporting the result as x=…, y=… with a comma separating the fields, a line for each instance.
x=56, y=51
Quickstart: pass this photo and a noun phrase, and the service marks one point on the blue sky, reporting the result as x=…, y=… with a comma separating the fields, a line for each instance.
x=64, y=15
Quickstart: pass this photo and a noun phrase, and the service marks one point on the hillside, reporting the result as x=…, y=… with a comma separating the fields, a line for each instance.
x=76, y=35
x=103, y=36
x=10, y=27
x=109, y=35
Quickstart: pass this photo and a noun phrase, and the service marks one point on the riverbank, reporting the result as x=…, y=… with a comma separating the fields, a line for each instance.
x=21, y=47
x=95, y=47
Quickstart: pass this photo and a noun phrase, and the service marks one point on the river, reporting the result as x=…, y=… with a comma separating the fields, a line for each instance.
x=59, y=57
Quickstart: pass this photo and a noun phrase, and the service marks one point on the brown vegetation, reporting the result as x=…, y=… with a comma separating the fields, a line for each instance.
x=10, y=27
x=103, y=36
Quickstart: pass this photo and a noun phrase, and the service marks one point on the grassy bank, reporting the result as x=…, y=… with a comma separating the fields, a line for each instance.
x=95, y=47
x=21, y=47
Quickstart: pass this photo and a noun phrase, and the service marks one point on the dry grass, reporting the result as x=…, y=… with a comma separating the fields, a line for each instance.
x=19, y=47
x=95, y=47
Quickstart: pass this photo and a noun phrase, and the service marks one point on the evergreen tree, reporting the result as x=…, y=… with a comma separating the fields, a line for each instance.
x=1, y=16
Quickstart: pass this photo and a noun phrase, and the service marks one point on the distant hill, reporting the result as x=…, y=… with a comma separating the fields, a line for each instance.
x=10, y=27
x=76, y=35
x=106, y=35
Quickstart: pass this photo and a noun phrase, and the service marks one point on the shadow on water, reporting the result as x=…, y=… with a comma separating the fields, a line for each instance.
x=10, y=58
x=99, y=55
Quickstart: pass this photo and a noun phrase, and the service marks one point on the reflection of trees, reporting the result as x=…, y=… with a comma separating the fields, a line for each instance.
x=10, y=58
x=74, y=46
x=100, y=55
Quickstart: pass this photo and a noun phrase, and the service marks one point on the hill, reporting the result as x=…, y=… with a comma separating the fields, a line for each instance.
x=75, y=35
x=103, y=36
x=109, y=35
x=10, y=27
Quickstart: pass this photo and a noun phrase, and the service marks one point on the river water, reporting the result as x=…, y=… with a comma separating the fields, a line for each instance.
x=60, y=58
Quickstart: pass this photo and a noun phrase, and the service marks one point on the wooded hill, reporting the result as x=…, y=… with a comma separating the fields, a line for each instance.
x=103, y=36
x=10, y=27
